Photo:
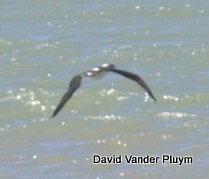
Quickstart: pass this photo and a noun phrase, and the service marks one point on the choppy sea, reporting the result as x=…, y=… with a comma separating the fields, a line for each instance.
x=43, y=44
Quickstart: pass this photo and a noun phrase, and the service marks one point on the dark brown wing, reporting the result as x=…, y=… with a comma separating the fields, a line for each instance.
x=137, y=79
x=74, y=84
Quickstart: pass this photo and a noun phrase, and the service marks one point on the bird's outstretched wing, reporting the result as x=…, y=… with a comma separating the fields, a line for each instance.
x=137, y=79
x=74, y=84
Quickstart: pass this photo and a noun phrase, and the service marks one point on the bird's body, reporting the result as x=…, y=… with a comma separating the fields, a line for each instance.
x=95, y=72
x=99, y=71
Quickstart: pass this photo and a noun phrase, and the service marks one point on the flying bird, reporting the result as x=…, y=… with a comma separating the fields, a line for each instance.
x=97, y=71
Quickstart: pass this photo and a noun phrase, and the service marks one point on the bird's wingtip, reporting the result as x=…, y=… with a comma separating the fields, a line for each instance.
x=153, y=97
x=53, y=115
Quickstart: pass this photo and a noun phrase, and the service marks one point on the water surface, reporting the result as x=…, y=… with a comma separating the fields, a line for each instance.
x=45, y=43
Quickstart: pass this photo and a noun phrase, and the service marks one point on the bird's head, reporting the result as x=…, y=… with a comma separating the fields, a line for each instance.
x=107, y=66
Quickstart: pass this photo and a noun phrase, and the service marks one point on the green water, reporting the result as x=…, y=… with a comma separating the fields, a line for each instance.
x=44, y=44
